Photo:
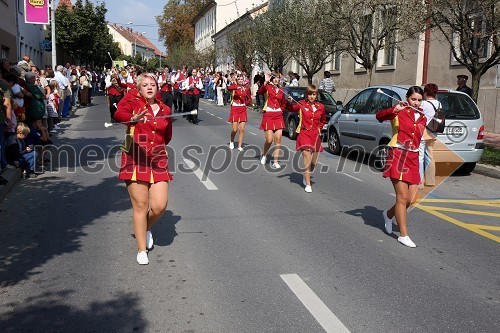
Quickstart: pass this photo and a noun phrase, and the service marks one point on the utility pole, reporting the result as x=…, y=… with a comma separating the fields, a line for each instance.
x=53, y=32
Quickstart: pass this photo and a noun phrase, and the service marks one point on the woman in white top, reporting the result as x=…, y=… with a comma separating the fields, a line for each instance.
x=427, y=164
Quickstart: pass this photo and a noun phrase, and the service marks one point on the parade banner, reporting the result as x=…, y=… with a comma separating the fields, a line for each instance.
x=36, y=11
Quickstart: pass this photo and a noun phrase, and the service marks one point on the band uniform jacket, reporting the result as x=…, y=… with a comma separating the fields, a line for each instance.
x=402, y=160
x=147, y=159
x=312, y=119
x=241, y=97
x=112, y=90
x=164, y=82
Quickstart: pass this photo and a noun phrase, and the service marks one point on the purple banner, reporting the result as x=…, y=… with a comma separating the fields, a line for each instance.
x=36, y=11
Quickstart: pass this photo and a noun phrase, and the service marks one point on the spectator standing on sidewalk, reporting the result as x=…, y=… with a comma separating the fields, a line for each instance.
x=462, y=84
x=6, y=113
x=427, y=164
x=327, y=83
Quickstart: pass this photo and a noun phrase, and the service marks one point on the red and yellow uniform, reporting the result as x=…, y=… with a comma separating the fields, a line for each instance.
x=241, y=98
x=147, y=159
x=312, y=119
x=408, y=126
x=272, y=119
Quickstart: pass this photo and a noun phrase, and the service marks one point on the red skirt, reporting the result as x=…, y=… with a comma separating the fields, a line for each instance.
x=138, y=165
x=309, y=140
x=402, y=165
x=272, y=121
x=238, y=114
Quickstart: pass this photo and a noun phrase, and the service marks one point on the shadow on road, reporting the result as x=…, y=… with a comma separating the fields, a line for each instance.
x=372, y=217
x=47, y=313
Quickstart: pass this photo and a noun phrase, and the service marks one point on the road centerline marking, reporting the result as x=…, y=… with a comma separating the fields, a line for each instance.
x=314, y=304
x=355, y=178
x=201, y=176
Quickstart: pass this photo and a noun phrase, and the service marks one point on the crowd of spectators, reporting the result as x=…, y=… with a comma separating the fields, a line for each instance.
x=34, y=102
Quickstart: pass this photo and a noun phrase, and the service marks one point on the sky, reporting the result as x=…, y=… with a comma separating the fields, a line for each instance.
x=141, y=13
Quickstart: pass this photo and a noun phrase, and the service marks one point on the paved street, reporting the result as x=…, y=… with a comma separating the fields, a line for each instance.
x=242, y=247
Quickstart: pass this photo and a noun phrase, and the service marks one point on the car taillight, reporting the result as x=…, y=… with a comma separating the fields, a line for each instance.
x=480, y=134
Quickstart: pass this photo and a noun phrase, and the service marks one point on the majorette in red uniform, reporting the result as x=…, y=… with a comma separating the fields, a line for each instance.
x=272, y=118
x=146, y=159
x=312, y=119
x=402, y=160
x=241, y=98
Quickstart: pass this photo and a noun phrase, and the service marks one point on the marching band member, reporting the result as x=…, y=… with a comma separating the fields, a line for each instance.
x=272, y=120
x=176, y=96
x=164, y=81
x=402, y=165
x=312, y=119
x=116, y=91
x=191, y=88
x=242, y=96
x=144, y=166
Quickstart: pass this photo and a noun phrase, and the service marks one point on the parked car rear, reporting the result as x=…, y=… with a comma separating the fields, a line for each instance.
x=356, y=126
x=291, y=119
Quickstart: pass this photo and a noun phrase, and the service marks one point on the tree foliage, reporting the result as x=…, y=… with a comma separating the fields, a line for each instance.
x=83, y=33
x=311, y=36
x=369, y=26
x=175, y=22
x=241, y=46
x=272, y=49
x=471, y=28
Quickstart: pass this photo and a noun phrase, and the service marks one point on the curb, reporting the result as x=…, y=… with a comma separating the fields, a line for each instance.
x=487, y=170
x=12, y=176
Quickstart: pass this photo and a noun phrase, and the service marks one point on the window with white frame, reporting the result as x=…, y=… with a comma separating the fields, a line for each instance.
x=478, y=38
x=387, y=55
x=332, y=63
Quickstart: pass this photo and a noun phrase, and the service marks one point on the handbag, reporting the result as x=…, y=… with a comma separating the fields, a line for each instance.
x=437, y=123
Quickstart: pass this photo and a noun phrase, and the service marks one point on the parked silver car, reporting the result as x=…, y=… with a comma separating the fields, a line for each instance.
x=356, y=126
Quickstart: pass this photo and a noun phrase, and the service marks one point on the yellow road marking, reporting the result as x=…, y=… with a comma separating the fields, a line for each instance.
x=464, y=211
x=471, y=227
x=467, y=202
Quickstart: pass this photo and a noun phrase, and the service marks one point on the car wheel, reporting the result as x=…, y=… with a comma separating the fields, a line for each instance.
x=292, y=126
x=380, y=157
x=333, y=142
x=467, y=168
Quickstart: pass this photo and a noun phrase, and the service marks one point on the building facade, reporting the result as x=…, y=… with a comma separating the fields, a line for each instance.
x=215, y=16
x=131, y=42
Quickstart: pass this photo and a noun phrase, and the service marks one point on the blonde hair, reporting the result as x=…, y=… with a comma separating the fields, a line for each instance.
x=54, y=85
x=143, y=76
x=22, y=128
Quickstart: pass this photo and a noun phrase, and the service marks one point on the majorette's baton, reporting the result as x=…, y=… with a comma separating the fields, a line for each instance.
x=194, y=112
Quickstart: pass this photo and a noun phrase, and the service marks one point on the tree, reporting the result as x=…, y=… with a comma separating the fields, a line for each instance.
x=272, y=49
x=471, y=29
x=175, y=22
x=241, y=46
x=311, y=34
x=83, y=33
x=182, y=54
x=369, y=28
x=208, y=58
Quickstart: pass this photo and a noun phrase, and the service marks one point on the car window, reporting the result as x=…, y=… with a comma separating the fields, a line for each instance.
x=325, y=98
x=297, y=94
x=458, y=106
x=359, y=102
x=380, y=101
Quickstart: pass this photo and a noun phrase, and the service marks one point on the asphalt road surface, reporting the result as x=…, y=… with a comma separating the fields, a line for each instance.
x=242, y=247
